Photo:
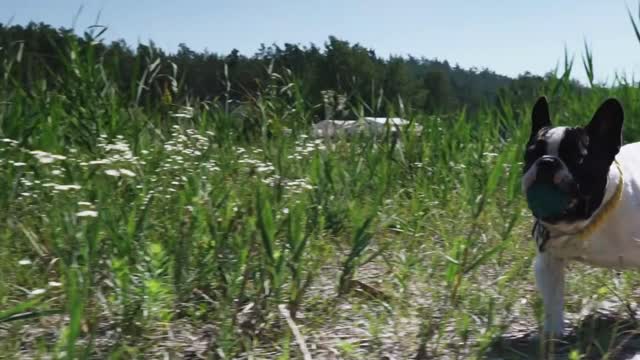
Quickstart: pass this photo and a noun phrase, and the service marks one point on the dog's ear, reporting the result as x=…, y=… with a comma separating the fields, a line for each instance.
x=540, y=116
x=605, y=128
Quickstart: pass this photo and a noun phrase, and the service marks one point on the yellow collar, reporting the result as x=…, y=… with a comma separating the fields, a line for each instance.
x=605, y=211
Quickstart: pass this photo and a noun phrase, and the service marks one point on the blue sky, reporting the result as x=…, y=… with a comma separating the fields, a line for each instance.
x=509, y=37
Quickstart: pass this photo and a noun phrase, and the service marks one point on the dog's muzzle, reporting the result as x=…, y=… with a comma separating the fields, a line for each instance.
x=550, y=170
x=550, y=189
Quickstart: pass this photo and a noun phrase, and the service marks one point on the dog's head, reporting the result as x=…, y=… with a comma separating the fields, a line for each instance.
x=573, y=160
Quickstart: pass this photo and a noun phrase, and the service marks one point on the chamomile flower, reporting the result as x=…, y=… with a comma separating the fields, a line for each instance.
x=87, y=213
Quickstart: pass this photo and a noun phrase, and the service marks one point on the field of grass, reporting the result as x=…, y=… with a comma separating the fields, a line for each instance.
x=172, y=228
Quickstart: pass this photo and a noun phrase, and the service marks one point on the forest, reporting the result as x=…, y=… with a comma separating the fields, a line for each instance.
x=351, y=72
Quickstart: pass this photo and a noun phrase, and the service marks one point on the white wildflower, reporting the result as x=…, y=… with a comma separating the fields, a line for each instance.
x=37, y=292
x=112, y=172
x=264, y=168
x=180, y=115
x=87, y=213
x=126, y=172
x=100, y=162
x=45, y=157
x=19, y=164
x=24, y=262
x=119, y=146
x=8, y=141
x=66, y=187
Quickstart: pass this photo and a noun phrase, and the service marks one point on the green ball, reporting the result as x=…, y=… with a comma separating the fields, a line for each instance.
x=546, y=200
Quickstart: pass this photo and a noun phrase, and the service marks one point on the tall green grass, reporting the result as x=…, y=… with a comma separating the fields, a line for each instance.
x=189, y=212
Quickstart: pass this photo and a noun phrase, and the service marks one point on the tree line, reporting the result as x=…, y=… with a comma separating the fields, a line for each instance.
x=353, y=71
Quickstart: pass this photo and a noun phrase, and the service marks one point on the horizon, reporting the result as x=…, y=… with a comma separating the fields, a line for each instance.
x=502, y=39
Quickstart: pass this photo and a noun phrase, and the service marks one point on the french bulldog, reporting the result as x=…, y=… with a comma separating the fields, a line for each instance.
x=599, y=180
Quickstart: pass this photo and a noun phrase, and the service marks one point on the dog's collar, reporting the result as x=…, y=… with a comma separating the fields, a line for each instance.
x=542, y=235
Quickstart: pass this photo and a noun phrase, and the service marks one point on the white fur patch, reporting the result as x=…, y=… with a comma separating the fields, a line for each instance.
x=554, y=138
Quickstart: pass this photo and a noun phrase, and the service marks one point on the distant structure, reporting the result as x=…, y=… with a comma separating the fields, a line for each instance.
x=369, y=125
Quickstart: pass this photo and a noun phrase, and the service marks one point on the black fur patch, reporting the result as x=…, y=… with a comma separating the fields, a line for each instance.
x=590, y=176
x=536, y=148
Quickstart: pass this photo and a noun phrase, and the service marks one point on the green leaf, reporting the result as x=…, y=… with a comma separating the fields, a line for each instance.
x=265, y=224
x=20, y=308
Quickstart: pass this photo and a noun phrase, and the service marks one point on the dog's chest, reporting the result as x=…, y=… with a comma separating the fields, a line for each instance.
x=605, y=248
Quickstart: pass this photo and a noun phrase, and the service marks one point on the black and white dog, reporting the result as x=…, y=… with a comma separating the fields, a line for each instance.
x=600, y=224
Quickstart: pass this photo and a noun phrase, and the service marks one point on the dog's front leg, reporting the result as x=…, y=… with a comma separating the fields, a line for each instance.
x=550, y=281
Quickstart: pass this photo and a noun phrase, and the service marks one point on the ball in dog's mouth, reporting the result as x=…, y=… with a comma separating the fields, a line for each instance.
x=548, y=200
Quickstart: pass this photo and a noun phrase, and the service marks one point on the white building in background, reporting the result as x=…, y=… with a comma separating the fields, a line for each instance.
x=371, y=125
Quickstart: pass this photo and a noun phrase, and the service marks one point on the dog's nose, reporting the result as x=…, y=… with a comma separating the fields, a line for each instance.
x=548, y=163
x=548, y=166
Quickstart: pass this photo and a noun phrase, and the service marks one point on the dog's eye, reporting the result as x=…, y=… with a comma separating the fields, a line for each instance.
x=580, y=155
x=582, y=152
